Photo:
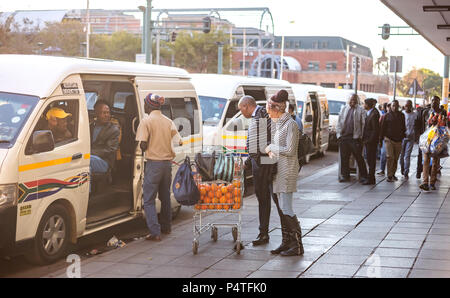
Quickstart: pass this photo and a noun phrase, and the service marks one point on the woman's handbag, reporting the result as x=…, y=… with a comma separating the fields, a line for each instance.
x=205, y=163
x=184, y=188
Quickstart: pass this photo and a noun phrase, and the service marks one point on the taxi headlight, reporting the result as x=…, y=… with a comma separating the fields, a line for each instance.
x=8, y=195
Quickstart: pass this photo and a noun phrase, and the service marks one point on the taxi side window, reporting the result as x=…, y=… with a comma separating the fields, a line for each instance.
x=61, y=118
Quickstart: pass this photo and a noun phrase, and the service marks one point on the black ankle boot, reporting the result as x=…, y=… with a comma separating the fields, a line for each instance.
x=295, y=245
x=284, y=240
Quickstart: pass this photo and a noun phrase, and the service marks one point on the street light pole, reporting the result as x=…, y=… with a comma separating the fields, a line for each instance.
x=282, y=58
x=88, y=29
x=148, y=31
x=219, y=57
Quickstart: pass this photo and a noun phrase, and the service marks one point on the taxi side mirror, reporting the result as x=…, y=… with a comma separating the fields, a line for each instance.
x=42, y=141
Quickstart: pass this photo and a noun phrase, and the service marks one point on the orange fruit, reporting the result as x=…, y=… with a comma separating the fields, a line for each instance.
x=216, y=200
x=230, y=188
x=210, y=195
x=223, y=199
x=237, y=183
x=218, y=194
x=228, y=196
x=211, y=206
x=208, y=200
x=219, y=206
x=214, y=187
x=204, y=207
x=202, y=190
x=207, y=187
x=224, y=189
x=226, y=207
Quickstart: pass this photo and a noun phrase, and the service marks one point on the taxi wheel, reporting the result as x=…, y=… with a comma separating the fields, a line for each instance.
x=52, y=236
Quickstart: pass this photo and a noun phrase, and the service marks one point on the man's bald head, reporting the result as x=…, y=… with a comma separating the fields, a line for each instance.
x=247, y=105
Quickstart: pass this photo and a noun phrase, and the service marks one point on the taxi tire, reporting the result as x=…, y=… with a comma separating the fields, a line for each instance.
x=38, y=255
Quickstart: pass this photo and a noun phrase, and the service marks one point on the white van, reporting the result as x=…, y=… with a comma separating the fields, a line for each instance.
x=45, y=196
x=313, y=110
x=337, y=98
x=381, y=98
x=224, y=127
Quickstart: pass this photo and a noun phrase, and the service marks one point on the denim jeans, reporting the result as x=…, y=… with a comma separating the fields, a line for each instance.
x=383, y=158
x=157, y=181
x=98, y=165
x=405, y=156
x=286, y=203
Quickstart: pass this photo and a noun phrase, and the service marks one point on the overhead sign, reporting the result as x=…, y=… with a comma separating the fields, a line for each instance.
x=396, y=61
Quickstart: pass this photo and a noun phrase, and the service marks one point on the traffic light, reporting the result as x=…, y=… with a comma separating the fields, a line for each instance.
x=356, y=63
x=173, y=36
x=385, y=31
x=206, y=24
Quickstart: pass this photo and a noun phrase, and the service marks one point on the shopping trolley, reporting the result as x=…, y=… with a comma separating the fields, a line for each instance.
x=220, y=196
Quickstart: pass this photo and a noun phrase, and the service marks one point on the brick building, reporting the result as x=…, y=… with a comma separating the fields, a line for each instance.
x=319, y=60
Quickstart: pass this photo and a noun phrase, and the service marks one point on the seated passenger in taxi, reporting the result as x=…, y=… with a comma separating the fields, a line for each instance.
x=104, y=139
x=57, y=124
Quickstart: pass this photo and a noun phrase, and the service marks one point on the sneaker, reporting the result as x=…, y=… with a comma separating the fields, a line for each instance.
x=432, y=187
x=390, y=179
x=418, y=175
x=381, y=173
x=395, y=178
x=405, y=177
x=424, y=186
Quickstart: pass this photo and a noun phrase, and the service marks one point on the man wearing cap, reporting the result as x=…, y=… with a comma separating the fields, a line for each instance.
x=104, y=139
x=156, y=133
x=371, y=137
x=57, y=123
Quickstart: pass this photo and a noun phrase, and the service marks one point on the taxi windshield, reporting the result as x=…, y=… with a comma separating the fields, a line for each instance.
x=212, y=109
x=14, y=112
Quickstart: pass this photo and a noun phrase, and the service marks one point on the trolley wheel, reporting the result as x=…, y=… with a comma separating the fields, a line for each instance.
x=214, y=234
x=234, y=232
x=195, y=247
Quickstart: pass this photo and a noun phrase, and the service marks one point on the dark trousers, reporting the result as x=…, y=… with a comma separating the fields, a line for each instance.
x=264, y=192
x=371, y=157
x=157, y=180
x=354, y=147
x=419, y=161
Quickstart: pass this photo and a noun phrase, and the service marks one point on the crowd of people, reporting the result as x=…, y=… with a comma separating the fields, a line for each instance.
x=367, y=133
x=387, y=133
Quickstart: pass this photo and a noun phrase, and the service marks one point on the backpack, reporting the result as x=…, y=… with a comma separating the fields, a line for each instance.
x=183, y=187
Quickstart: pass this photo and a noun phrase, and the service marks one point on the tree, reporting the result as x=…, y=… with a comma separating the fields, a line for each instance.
x=67, y=36
x=121, y=45
x=197, y=51
x=17, y=39
x=430, y=82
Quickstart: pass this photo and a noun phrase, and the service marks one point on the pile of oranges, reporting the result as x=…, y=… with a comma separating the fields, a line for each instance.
x=225, y=196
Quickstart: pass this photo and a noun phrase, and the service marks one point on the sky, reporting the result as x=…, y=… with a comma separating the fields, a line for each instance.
x=356, y=20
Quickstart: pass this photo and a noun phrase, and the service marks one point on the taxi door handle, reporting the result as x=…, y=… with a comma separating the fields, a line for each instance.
x=76, y=156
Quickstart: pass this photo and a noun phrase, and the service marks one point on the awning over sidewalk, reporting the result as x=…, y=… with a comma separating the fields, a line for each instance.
x=424, y=17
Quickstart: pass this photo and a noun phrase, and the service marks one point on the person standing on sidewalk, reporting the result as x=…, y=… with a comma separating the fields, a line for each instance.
x=408, y=141
x=419, y=128
x=349, y=132
x=371, y=137
x=155, y=134
x=393, y=131
x=259, y=136
x=436, y=116
x=387, y=108
x=284, y=150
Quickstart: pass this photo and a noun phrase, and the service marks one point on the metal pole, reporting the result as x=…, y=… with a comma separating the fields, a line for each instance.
x=219, y=57
x=415, y=92
x=259, y=54
x=144, y=32
x=243, y=53
x=148, y=24
x=395, y=77
x=158, y=38
x=347, y=75
x=445, y=82
x=231, y=49
x=88, y=29
x=355, y=80
x=282, y=58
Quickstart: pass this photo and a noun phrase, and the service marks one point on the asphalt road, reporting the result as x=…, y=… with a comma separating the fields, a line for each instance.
x=127, y=232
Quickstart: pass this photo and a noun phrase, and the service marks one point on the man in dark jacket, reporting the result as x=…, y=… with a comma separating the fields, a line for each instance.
x=393, y=132
x=104, y=139
x=259, y=137
x=371, y=138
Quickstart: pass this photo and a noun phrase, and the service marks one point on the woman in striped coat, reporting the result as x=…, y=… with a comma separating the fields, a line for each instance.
x=284, y=149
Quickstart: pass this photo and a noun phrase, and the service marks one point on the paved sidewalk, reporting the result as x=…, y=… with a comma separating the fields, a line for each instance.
x=349, y=230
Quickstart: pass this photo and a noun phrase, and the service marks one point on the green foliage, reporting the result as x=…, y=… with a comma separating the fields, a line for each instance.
x=67, y=36
x=430, y=82
x=122, y=46
x=198, y=52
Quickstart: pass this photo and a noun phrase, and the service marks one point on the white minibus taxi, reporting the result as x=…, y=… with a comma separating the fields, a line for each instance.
x=47, y=196
x=381, y=98
x=224, y=127
x=337, y=98
x=313, y=110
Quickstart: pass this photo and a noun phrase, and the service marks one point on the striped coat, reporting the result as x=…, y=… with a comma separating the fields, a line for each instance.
x=285, y=149
x=259, y=134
